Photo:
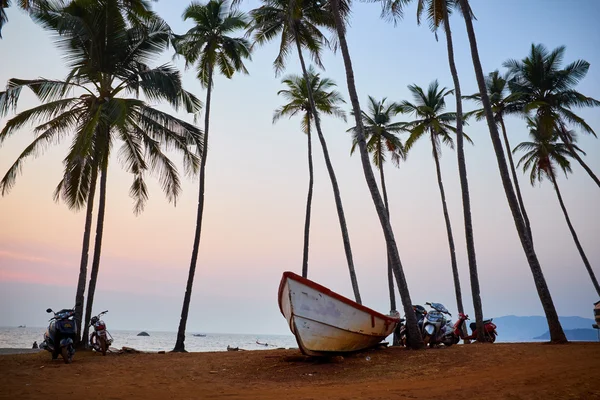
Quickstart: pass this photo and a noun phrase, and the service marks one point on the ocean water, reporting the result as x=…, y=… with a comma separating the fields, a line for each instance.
x=11, y=337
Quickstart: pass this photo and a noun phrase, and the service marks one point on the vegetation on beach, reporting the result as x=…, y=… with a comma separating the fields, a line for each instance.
x=104, y=100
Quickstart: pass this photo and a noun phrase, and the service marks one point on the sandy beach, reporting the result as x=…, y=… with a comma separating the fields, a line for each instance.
x=515, y=371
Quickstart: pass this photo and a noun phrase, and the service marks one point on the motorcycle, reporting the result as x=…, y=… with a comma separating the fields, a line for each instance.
x=61, y=334
x=489, y=329
x=436, y=328
x=100, y=338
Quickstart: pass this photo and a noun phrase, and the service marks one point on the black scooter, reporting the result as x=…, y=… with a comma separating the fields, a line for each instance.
x=61, y=334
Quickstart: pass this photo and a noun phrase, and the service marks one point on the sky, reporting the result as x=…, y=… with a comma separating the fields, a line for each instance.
x=257, y=179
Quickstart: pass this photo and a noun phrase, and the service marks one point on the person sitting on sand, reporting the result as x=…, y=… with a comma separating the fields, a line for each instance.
x=35, y=345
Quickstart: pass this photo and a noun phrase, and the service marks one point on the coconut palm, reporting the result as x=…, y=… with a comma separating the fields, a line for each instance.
x=548, y=90
x=503, y=103
x=93, y=105
x=327, y=101
x=542, y=155
x=428, y=109
x=556, y=331
x=298, y=23
x=208, y=46
x=340, y=10
x=381, y=136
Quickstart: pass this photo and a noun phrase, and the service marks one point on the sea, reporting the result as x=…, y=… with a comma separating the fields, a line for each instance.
x=23, y=338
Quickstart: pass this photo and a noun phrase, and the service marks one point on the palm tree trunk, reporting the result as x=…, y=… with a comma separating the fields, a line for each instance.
x=396, y=340
x=466, y=198
x=387, y=209
x=554, y=326
x=566, y=141
x=334, y=184
x=85, y=247
x=455, y=277
x=413, y=334
x=180, y=343
x=308, y=201
x=97, y=250
x=575, y=238
x=515, y=179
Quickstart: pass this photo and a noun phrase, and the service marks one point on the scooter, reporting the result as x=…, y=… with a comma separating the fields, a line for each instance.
x=436, y=328
x=100, y=339
x=489, y=329
x=60, y=335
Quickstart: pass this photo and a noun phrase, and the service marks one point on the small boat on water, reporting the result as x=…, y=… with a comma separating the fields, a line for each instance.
x=326, y=323
x=199, y=335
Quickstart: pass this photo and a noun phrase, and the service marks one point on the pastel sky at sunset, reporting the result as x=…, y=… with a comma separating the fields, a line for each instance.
x=257, y=178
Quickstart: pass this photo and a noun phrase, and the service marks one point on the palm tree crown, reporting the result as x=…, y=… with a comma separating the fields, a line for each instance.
x=428, y=110
x=544, y=153
x=207, y=44
x=298, y=22
x=98, y=115
x=547, y=89
x=381, y=133
x=327, y=99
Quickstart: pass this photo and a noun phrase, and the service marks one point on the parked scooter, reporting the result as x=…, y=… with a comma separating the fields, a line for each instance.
x=61, y=334
x=436, y=328
x=100, y=339
x=489, y=329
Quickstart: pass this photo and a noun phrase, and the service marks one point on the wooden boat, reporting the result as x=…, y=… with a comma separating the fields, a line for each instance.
x=326, y=323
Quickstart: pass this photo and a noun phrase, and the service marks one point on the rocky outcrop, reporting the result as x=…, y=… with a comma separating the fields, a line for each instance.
x=143, y=334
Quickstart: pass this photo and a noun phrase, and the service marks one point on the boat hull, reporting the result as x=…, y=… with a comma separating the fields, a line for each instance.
x=326, y=323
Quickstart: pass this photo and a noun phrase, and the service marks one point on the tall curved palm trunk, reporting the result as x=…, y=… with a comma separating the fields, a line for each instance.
x=334, y=184
x=584, y=258
x=387, y=209
x=187, y=298
x=414, y=336
x=85, y=248
x=396, y=340
x=515, y=179
x=308, y=199
x=466, y=198
x=97, y=251
x=555, y=328
x=455, y=277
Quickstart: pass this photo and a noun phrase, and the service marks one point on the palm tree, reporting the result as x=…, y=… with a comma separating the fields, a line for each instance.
x=548, y=90
x=556, y=331
x=326, y=102
x=298, y=22
x=208, y=46
x=428, y=109
x=381, y=137
x=542, y=156
x=503, y=103
x=340, y=10
x=89, y=103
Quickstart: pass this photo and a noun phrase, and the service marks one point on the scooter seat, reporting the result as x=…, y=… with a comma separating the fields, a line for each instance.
x=473, y=325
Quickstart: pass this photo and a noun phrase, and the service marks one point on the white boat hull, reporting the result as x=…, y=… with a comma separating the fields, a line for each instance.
x=326, y=323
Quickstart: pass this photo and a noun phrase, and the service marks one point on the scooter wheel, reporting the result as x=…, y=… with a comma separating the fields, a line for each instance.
x=66, y=355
